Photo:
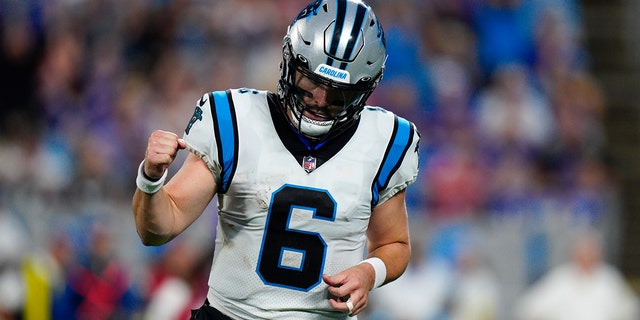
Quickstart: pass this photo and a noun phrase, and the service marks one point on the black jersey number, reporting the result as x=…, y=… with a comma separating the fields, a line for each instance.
x=293, y=258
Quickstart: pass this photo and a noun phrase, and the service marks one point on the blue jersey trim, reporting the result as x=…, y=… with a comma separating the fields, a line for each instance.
x=226, y=134
x=400, y=142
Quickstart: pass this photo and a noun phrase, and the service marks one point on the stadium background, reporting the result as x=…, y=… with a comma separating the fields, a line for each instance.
x=527, y=108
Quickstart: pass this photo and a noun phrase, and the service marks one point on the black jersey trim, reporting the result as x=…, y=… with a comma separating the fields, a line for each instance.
x=298, y=145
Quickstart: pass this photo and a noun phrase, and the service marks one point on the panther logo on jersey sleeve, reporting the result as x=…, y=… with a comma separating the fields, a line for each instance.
x=198, y=135
x=197, y=115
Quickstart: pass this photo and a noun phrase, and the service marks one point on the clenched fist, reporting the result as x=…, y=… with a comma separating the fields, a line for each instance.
x=162, y=149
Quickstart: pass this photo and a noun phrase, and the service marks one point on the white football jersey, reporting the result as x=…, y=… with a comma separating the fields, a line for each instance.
x=290, y=211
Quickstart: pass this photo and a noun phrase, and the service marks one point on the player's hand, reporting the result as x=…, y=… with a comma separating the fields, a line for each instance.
x=162, y=149
x=351, y=286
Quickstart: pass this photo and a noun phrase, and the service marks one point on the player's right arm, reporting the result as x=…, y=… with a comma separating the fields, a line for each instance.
x=163, y=215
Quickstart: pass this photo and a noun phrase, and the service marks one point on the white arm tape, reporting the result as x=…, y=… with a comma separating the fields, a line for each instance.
x=147, y=186
x=380, y=270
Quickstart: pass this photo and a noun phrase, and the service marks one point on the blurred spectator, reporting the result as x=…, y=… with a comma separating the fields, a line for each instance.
x=558, y=47
x=514, y=186
x=45, y=276
x=512, y=114
x=585, y=288
x=177, y=282
x=579, y=109
x=591, y=193
x=475, y=290
x=21, y=49
x=505, y=31
x=100, y=287
x=454, y=178
x=14, y=246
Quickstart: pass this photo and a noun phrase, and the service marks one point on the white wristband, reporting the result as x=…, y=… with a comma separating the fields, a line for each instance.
x=146, y=185
x=380, y=270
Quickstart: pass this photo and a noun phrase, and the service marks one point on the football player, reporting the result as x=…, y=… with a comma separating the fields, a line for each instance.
x=310, y=181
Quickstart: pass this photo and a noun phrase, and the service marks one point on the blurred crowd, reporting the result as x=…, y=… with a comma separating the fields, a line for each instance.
x=514, y=166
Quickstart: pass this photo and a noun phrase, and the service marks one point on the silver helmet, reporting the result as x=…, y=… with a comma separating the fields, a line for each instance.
x=340, y=45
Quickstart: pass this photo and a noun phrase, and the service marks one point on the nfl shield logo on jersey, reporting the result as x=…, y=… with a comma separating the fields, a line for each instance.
x=309, y=163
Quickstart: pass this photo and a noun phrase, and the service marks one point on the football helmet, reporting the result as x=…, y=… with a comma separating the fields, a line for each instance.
x=338, y=45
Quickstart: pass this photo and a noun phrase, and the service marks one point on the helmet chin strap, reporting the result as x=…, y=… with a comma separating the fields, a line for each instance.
x=309, y=127
x=312, y=128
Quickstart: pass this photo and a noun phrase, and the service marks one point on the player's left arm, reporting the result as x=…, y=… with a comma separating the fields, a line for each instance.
x=388, y=240
x=388, y=236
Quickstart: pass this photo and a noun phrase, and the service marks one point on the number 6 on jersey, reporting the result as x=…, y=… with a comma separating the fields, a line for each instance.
x=293, y=258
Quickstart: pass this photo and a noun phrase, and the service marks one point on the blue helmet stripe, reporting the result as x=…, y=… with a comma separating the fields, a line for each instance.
x=355, y=34
x=337, y=30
